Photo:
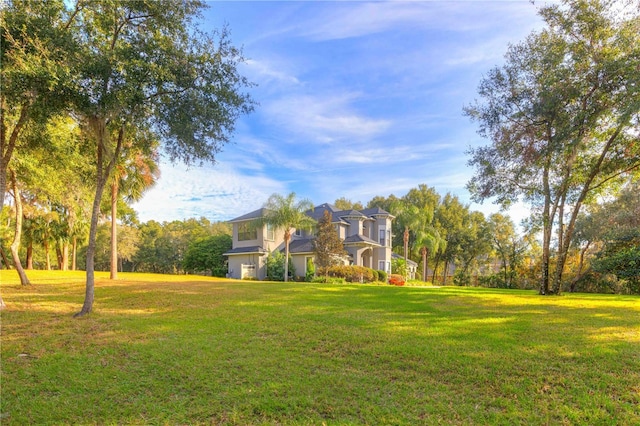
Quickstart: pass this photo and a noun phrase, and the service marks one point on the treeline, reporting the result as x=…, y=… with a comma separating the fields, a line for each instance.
x=451, y=243
x=456, y=245
x=176, y=247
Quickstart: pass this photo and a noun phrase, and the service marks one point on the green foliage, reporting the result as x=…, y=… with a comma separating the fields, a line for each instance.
x=328, y=280
x=350, y=273
x=311, y=270
x=382, y=275
x=206, y=255
x=562, y=117
x=275, y=265
x=497, y=280
x=344, y=203
x=622, y=258
x=399, y=266
x=163, y=246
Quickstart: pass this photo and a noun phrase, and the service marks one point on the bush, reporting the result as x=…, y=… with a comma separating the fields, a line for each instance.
x=311, y=270
x=382, y=276
x=275, y=267
x=396, y=279
x=351, y=273
x=328, y=280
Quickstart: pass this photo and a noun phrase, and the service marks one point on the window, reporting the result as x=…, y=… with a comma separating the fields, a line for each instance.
x=271, y=235
x=383, y=234
x=388, y=238
x=298, y=233
x=381, y=265
x=246, y=232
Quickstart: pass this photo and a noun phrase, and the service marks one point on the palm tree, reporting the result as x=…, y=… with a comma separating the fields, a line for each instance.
x=287, y=214
x=429, y=240
x=136, y=171
x=409, y=217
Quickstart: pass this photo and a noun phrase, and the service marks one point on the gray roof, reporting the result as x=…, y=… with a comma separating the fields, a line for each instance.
x=301, y=246
x=409, y=261
x=358, y=239
x=256, y=214
x=376, y=211
x=245, y=250
x=318, y=212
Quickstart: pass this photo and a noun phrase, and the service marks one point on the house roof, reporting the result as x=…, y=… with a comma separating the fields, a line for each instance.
x=256, y=214
x=337, y=216
x=360, y=239
x=245, y=250
x=301, y=246
x=409, y=261
x=318, y=212
x=376, y=211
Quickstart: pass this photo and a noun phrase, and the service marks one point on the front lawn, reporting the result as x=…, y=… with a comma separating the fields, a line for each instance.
x=192, y=350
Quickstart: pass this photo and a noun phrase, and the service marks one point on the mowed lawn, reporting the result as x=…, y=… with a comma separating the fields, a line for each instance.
x=191, y=350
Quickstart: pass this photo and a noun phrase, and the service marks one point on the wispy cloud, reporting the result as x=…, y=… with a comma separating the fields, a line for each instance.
x=216, y=192
x=324, y=119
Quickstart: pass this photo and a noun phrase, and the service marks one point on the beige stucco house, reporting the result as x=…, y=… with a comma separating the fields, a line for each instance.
x=366, y=235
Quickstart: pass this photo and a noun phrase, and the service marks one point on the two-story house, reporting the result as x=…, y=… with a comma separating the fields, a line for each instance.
x=366, y=235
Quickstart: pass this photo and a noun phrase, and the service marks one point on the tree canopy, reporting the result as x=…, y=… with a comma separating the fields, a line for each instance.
x=562, y=116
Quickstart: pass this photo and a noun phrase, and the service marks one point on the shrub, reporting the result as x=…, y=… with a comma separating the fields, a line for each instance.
x=275, y=266
x=399, y=267
x=311, y=270
x=328, y=280
x=351, y=273
x=396, y=279
x=382, y=275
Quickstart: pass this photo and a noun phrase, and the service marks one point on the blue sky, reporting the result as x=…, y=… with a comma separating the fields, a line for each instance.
x=356, y=99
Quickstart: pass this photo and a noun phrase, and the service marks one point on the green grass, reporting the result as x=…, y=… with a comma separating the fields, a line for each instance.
x=191, y=350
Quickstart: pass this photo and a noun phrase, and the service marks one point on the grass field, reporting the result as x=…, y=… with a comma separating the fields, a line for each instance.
x=193, y=350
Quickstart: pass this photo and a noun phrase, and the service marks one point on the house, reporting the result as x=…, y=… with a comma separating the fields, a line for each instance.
x=366, y=235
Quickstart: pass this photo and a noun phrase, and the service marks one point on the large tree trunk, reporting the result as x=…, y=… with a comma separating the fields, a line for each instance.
x=114, y=230
x=15, y=246
x=30, y=256
x=65, y=257
x=546, y=235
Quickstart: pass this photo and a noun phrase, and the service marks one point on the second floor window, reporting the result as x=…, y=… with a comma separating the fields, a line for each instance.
x=271, y=235
x=383, y=234
x=247, y=232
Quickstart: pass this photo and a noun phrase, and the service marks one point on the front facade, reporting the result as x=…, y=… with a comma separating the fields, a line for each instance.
x=366, y=235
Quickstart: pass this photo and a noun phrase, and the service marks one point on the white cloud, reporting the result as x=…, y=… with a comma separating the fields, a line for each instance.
x=358, y=19
x=267, y=73
x=216, y=192
x=324, y=119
